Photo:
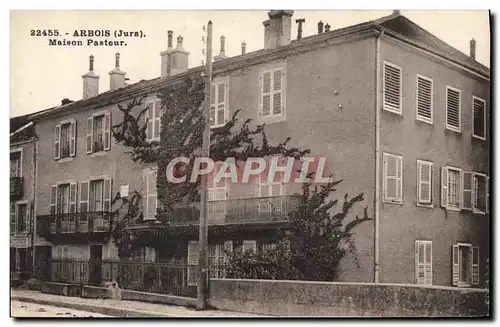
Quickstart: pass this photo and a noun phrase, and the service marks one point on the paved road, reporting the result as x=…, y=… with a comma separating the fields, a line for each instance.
x=28, y=309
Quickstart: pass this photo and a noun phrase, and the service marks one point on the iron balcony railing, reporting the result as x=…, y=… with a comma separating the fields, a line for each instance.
x=77, y=222
x=16, y=188
x=239, y=211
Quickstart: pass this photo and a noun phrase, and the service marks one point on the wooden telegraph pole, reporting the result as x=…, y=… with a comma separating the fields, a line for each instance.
x=205, y=152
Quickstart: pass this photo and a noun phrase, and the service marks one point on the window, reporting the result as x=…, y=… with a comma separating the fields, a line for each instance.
x=480, y=192
x=424, y=177
x=271, y=191
x=61, y=252
x=99, y=133
x=145, y=253
x=478, y=118
x=95, y=195
x=467, y=190
x=393, y=178
x=424, y=99
x=65, y=140
x=19, y=217
x=16, y=163
x=450, y=187
x=192, y=261
x=272, y=99
x=249, y=246
x=151, y=200
x=453, y=109
x=218, y=104
x=216, y=260
x=392, y=88
x=62, y=198
x=153, y=118
x=465, y=264
x=217, y=194
x=12, y=217
x=423, y=262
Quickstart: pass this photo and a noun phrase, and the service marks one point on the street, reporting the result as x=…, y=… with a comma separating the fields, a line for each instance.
x=28, y=309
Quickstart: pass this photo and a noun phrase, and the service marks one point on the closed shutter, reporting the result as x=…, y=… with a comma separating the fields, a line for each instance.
x=149, y=121
x=392, y=88
x=453, y=109
x=192, y=261
x=221, y=104
x=72, y=198
x=157, y=118
x=467, y=190
x=424, y=99
x=57, y=142
x=28, y=217
x=89, y=137
x=424, y=182
x=277, y=88
x=107, y=131
x=53, y=199
x=455, y=265
x=107, y=196
x=479, y=118
x=249, y=246
x=423, y=262
x=151, y=199
x=12, y=217
x=475, y=265
x=393, y=178
x=488, y=194
x=266, y=94
x=84, y=196
x=444, y=187
x=72, y=143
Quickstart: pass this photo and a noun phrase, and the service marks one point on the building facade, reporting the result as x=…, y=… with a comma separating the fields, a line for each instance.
x=399, y=115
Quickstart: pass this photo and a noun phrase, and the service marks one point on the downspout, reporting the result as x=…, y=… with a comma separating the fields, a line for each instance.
x=376, y=264
x=33, y=205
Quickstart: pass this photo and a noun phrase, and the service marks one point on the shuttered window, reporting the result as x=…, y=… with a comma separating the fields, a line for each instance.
x=475, y=265
x=192, y=261
x=453, y=109
x=479, y=192
x=272, y=92
x=393, y=178
x=424, y=99
x=151, y=199
x=465, y=265
x=424, y=175
x=218, y=104
x=98, y=134
x=217, y=194
x=467, y=193
x=12, y=217
x=392, y=88
x=451, y=180
x=478, y=118
x=423, y=262
x=153, y=118
x=84, y=197
x=65, y=140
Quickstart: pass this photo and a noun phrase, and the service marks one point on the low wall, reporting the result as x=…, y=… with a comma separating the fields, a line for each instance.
x=94, y=292
x=55, y=288
x=300, y=298
x=157, y=298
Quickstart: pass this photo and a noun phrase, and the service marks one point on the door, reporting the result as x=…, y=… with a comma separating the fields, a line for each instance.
x=95, y=277
x=43, y=262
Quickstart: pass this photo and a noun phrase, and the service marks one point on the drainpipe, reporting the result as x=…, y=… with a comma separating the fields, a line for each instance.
x=33, y=205
x=376, y=264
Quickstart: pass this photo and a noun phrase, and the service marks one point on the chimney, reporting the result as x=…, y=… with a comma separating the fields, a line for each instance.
x=179, y=58
x=243, y=48
x=396, y=12
x=65, y=101
x=116, y=76
x=473, y=49
x=222, y=54
x=299, y=29
x=327, y=28
x=165, y=57
x=90, y=81
x=277, y=29
x=320, y=27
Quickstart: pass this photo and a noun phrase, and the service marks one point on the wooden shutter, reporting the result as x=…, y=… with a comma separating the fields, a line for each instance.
x=90, y=137
x=53, y=199
x=192, y=261
x=444, y=187
x=84, y=196
x=72, y=143
x=424, y=99
x=107, y=196
x=475, y=265
x=107, y=131
x=453, y=109
x=12, y=217
x=72, y=197
x=151, y=199
x=479, y=118
x=266, y=94
x=393, y=177
x=149, y=121
x=455, y=265
x=424, y=182
x=488, y=194
x=423, y=262
x=249, y=246
x=28, y=216
x=157, y=118
x=392, y=85
x=277, y=91
x=57, y=142
x=467, y=190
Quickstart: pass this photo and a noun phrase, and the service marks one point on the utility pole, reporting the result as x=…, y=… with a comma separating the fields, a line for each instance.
x=205, y=152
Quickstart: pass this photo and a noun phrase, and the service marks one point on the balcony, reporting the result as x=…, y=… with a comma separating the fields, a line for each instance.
x=16, y=188
x=75, y=223
x=240, y=211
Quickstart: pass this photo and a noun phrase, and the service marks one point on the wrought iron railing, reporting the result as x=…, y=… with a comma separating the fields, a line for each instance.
x=16, y=188
x=77, y=222
x=238, y=211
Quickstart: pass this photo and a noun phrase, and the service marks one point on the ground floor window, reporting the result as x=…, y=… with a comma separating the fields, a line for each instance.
x=465, y=264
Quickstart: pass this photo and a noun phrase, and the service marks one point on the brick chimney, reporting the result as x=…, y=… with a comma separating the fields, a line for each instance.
x=116, y=76
x=277, y=29
x=179, y=58
x=222, y=54
x=90, y=81
x=473, y=49
x=165, y=57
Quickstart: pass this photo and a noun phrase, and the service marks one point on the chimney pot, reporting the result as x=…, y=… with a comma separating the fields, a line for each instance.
x=243, y=47
x=473, y=49
x=222, y=53
x=90, y=81
x=91, y=63
x=170, y=36
x=320, y=27
x=166, y=61
x=180, y=39
x=117, y=60
x=327, y=28
x=116, y=76
x=299, y=29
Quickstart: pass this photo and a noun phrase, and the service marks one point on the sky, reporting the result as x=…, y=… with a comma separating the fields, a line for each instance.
x=42, y=75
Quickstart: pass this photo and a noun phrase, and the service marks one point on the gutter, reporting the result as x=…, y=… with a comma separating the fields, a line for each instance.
x=376, y=263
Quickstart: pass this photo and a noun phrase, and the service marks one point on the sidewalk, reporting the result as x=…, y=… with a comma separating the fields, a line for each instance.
x=118, y=308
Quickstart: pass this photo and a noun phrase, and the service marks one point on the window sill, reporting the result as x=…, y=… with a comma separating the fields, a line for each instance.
x=271, y=119
x=98, y=154
x=393, y=111
x=393, y=202
x=478, y=137
x=452, y=129
x=425, y=121
x=156, y=139
x=464, y=285
x=478, y=212
x=453, y=209
x=217, y=126
x=67, y=159
x=425, y=205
